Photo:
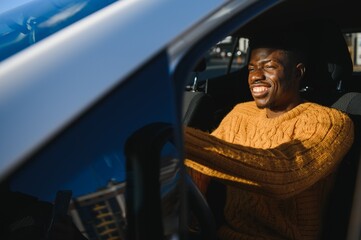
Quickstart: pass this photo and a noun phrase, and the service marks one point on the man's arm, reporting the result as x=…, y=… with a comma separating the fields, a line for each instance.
x=279, y=172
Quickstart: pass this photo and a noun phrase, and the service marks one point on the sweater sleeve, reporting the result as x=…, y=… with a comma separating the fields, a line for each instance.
x=279, y=172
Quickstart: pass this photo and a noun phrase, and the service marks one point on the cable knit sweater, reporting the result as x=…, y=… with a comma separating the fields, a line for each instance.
x=278, y=170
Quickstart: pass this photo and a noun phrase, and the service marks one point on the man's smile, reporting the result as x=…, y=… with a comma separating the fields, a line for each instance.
x=259, y=91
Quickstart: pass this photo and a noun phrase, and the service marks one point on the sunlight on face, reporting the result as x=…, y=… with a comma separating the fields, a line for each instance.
x=272, y=79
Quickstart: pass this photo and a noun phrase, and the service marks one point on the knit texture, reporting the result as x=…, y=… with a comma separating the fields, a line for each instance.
x=278, y=171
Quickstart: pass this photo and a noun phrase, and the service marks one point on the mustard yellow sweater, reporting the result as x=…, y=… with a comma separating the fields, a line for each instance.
x=278, y=170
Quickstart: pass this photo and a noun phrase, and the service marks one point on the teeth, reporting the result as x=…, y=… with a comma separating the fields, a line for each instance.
x=259, y=89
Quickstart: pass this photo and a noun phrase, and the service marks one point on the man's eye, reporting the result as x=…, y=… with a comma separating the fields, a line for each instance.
x=270, y=67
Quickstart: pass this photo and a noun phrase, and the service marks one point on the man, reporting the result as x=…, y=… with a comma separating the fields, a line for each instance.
x=276, y=154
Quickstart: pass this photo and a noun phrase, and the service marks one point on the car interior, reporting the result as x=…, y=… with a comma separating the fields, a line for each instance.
x=331, y=80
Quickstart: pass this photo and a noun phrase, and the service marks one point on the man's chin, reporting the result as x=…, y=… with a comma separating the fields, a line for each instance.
x=261, y=104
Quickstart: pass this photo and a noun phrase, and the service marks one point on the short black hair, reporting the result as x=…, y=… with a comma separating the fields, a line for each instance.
x=286, y=38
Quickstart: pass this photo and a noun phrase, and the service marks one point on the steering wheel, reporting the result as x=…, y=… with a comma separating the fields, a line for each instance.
x=206, y=226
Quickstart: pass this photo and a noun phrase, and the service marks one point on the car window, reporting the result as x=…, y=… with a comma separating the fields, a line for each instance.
x=34, y=20
x=353, y=40
x=228, y=55
x=230, y=49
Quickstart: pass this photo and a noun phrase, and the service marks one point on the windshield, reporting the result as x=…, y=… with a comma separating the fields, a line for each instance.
x=25, y=22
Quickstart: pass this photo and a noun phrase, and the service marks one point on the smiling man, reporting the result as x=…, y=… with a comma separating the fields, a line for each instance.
x=278, y=154
x=274, y=80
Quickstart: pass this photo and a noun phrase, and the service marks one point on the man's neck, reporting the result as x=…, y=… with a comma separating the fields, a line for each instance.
x=275, y=112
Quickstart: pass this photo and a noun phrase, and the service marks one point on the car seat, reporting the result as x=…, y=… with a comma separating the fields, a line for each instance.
x=332, y=68
x=198, y=106
x=328, y=74
x=349, y=102
x=339, y=209
x=205, y=103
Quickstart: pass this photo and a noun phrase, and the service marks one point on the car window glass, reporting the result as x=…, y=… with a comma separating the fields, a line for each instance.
x=34, y=20
x=228, y=55
x=354, y=44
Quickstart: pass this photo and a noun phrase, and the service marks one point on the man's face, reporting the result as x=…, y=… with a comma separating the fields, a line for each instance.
x=273, y=79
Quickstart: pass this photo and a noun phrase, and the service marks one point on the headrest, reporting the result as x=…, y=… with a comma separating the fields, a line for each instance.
x=330, y=61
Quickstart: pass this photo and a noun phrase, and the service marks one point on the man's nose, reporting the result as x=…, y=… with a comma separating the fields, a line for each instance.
x=256, y=75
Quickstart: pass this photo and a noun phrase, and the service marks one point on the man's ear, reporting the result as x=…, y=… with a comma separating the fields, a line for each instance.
x=301, y=71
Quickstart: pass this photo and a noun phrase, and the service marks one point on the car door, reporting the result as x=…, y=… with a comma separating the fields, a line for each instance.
x=88, y=138
x=89, y=159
